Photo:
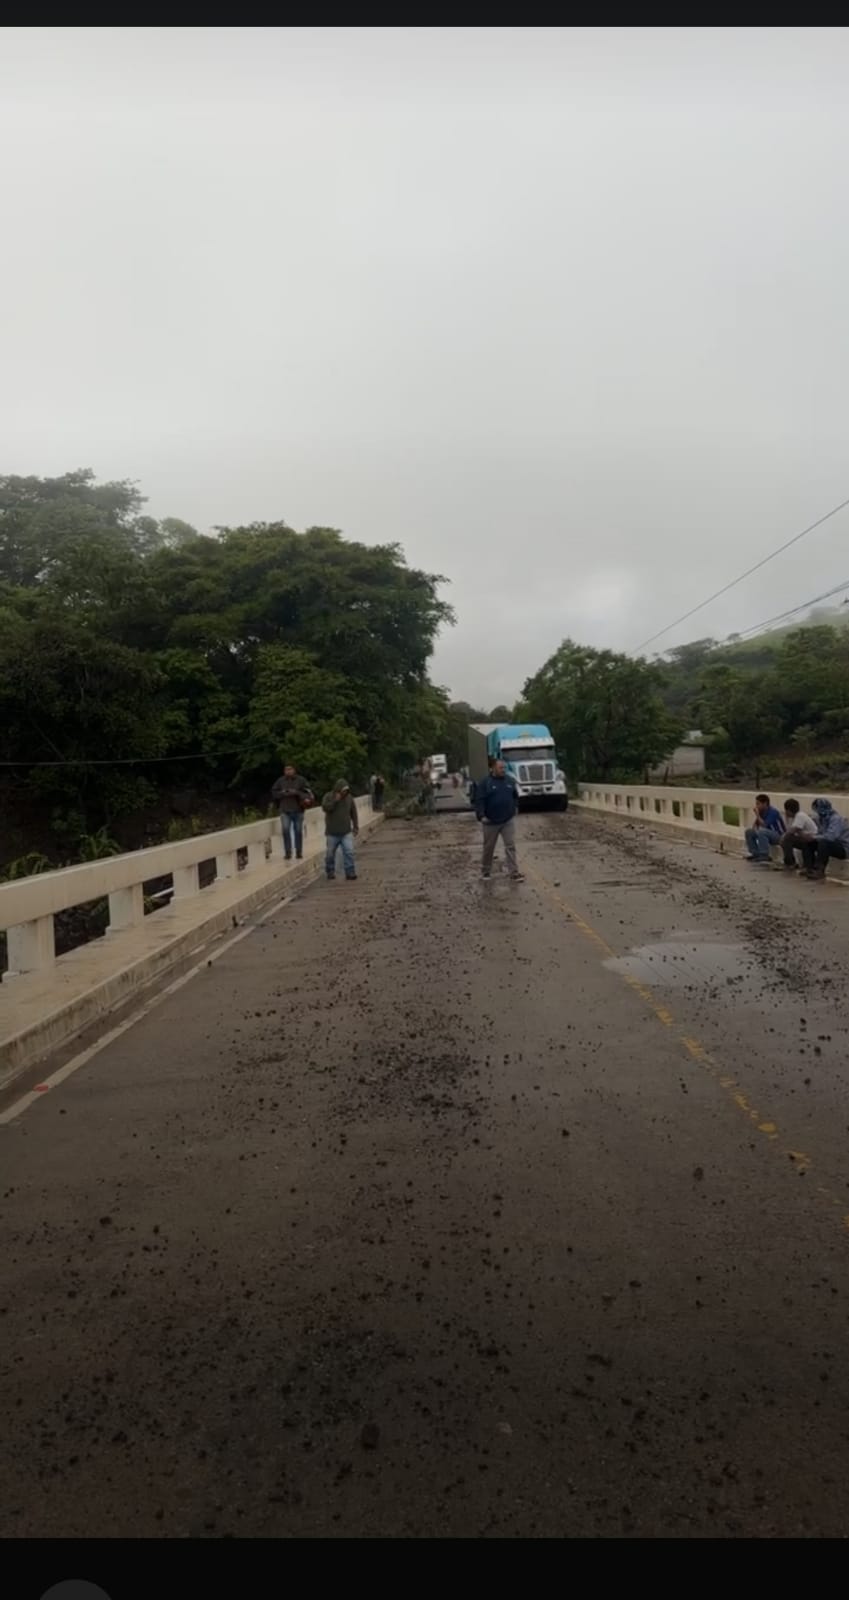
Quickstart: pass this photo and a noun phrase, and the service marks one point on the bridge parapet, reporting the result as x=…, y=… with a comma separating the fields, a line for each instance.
x=46, y=999
x=715, y=817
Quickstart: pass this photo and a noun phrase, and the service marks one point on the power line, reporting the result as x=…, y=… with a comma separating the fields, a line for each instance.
x=747, y=574
x=783, y=616
x=124, y=761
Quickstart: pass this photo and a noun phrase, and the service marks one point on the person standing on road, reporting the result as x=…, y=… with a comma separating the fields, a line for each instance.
x=293, y=794
x=426, y=795
x=832, y=839
x=496, y=804
x=341, y=826
x=766, y=830
x=377, y=792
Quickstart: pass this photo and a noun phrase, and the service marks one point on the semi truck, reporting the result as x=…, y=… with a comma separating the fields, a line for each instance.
x=527, y=750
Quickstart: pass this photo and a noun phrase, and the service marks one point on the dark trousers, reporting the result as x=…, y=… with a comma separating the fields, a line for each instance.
x=817, y=853
x=791, y=842
x=292, y=823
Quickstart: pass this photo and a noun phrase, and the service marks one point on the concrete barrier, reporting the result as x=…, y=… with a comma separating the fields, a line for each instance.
x=703, y=816
x=46, y=999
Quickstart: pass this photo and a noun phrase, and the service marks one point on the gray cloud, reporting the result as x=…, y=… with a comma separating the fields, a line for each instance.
x=563, y=311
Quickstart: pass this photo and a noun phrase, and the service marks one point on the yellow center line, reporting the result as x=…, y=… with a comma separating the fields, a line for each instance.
x=798, y=1160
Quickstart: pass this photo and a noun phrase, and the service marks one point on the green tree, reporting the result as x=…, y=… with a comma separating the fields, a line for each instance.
x=740, y=710
x=682, y=675
x=456, y=743
x=175, y=532
x=811, y=680
x=421, y=730
x=289, y=686
x=69, y=697
x=758, y=694
x=44, y=521
x=604, y=709
x=325, y=751
x=126, y=638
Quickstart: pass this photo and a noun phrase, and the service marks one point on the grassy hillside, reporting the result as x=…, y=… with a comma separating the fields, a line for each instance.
x=775, y=704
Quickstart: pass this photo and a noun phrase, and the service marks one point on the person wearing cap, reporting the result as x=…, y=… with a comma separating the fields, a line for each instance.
x=341, y=825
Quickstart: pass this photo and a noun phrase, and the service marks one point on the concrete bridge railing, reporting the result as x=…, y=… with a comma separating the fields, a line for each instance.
x=716, y=817
x=46, y=1000
x=29, y=905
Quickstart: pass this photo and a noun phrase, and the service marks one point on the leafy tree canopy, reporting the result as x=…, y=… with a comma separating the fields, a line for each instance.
x=604, y=710
x=124, y=637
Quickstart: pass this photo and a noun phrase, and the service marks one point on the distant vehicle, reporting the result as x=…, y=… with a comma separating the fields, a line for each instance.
x=438, y=768
x=527, y=750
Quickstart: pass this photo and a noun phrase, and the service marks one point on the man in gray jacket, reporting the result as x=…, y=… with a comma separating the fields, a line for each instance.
x=341, y=825
x=293, y=794
x=830, y=842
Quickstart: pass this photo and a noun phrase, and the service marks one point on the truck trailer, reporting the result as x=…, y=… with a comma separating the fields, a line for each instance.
x=527, y=750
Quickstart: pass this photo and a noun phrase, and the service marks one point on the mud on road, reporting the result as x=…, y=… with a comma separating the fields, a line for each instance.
x=442, y=1208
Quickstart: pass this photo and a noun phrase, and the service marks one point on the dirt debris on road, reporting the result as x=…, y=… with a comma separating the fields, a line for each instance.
x=413, y=1217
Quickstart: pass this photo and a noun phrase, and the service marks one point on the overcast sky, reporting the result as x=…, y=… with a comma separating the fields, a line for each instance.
x=565, y=312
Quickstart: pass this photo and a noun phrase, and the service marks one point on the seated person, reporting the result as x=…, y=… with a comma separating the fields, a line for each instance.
x=766, y=830
x=799, y=828
x=832, y=839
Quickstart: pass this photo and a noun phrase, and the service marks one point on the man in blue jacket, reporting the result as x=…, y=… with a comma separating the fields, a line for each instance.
x=496, y=804
x=766, y=830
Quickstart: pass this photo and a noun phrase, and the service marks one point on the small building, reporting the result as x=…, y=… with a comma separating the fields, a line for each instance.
x=686, y=761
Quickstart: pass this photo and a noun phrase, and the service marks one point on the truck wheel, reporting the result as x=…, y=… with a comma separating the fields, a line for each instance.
x=563, y=802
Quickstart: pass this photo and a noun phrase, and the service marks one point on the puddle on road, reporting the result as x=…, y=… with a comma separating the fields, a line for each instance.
x=686, y=961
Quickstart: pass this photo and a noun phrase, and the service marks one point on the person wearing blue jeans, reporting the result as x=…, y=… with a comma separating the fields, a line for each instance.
x=341, y=824
x=292, y=823
x=766, y=830
x=293, y=794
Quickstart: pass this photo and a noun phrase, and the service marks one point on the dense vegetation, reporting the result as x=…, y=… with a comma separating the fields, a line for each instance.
x=187, y=666
x=779, y=695
x=152, y=679
x=606, y=711
x=776, y=703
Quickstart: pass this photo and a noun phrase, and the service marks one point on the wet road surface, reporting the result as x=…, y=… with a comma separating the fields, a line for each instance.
x=442, y=1208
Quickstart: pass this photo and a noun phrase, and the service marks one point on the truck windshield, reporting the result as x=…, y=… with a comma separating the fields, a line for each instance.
x=530, y=752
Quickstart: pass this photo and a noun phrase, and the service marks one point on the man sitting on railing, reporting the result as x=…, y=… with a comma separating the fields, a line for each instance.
x=766, y=830
x=800, y=830
x=832, y=840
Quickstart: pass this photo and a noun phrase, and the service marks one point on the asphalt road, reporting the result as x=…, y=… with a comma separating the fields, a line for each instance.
x=443, y=1208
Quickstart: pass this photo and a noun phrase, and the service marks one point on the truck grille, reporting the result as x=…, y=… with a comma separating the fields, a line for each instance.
x=536, y=772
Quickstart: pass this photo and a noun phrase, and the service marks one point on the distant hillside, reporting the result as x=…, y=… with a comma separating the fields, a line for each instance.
x=763, y=643
x=784, y=688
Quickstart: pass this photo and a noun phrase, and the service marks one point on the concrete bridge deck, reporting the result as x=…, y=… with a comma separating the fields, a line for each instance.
x=440, y=1208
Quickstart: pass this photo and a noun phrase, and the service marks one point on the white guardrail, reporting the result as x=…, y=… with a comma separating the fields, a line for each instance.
x=722, y=815
x=28, y=905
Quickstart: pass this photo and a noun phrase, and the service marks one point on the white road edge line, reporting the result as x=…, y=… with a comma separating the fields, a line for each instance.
x=18, y=1107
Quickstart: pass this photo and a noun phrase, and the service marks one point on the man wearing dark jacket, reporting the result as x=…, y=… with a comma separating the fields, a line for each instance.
x=341, y=824
x=496, y=804
x=293, y=794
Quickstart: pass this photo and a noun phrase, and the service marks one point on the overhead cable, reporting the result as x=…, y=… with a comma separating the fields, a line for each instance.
x=747, y=574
